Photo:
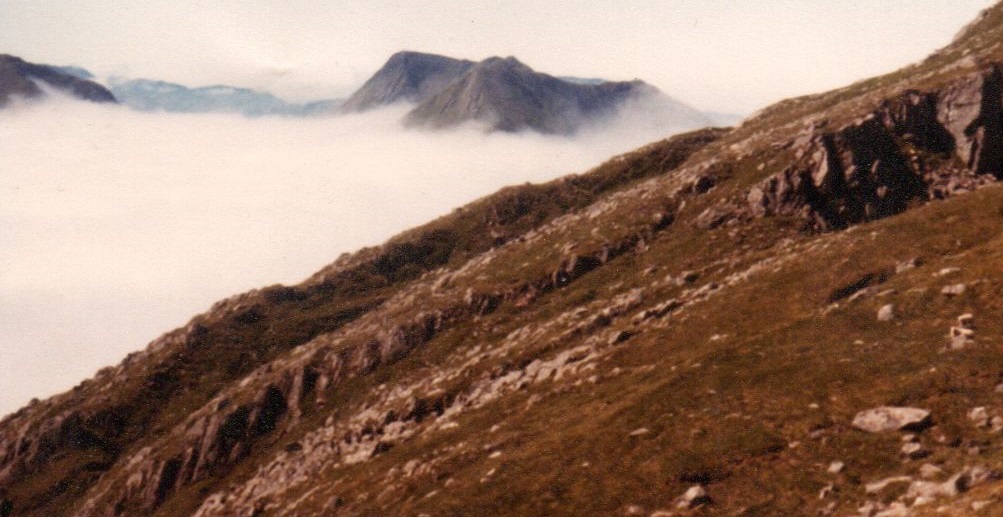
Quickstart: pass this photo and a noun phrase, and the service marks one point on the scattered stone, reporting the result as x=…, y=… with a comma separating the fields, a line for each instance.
x=979, y=505
x=886, y=312
x=836, y=467
x=869, y=509
x=910, y=437
x=877, y=486
x=641, y=431
x=495, y=454
x=959, y=342
x=979, y=416
x=688, y=277
x=827, y=510
x=996, y=424
x=634, y=510
x=619, y=337
x=914, y=451
x=860, y=294
x=906, y=265
x=998, y=388
x=694, y=496
x=895, y=509
x=891, y=418
x=661, y=513
x=826, y=491
x=976, y=476
x=930, y=471
x=962, y=332
x=947, y=271
x=966, y=321
x=926, y=491
x=953, y=290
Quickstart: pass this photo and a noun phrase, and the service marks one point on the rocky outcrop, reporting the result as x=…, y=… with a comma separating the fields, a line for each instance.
x=18, y=78
x=916, y=147
x=971, y=110
x=222, y=433
x=839, y=178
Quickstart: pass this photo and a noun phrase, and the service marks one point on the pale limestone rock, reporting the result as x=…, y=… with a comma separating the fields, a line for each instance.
x=891, y=418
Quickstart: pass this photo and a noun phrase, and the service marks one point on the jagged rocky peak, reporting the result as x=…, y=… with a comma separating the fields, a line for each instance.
x=407, y=76
x=504, y=94
x=507, y=95
x=19, y=78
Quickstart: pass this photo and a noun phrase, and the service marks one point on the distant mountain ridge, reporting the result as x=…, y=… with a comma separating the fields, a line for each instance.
x=20, y=78
x=153, y=95
x=505, y=95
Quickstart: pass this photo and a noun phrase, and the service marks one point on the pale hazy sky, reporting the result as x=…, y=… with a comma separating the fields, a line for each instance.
x=726, y=55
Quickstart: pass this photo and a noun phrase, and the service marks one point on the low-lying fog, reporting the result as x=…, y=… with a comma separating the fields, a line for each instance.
x=117, y=226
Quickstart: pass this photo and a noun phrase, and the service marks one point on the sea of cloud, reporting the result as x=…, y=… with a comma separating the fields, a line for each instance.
x=117, y=226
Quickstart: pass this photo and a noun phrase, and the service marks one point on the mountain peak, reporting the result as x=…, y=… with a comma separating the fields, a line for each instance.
x=508, y=95
x=407, y=76
x=505, y=94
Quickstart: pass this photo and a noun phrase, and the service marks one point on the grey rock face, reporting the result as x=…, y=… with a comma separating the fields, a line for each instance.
x=862, y=171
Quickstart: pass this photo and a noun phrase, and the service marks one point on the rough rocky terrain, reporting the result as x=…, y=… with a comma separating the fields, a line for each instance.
x=18, y=78
x=797, y=316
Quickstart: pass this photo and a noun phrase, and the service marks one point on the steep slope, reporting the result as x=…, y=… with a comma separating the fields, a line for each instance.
x=692, y=328
x=150, y=95
x=51, y=453
x=507, y=95
x=407, y=76
x=18, y=79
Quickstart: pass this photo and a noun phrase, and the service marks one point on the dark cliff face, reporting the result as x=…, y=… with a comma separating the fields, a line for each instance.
x=917, y=146
x=17, y=79
x=407, y=76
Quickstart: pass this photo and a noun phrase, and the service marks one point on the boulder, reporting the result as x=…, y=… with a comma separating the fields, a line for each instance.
x=979, y=416
x=886, y=313
x=694, y=496
x=914, y=451
x=891, y=418
x=953, y=289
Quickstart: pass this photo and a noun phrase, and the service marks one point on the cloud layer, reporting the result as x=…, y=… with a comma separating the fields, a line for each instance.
x=118, y=225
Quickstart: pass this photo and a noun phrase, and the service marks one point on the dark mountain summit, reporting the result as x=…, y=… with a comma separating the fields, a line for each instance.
x=18, y=78
x=509, y=96
x=407, y=76
x=797, y=316
x=504, y=94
